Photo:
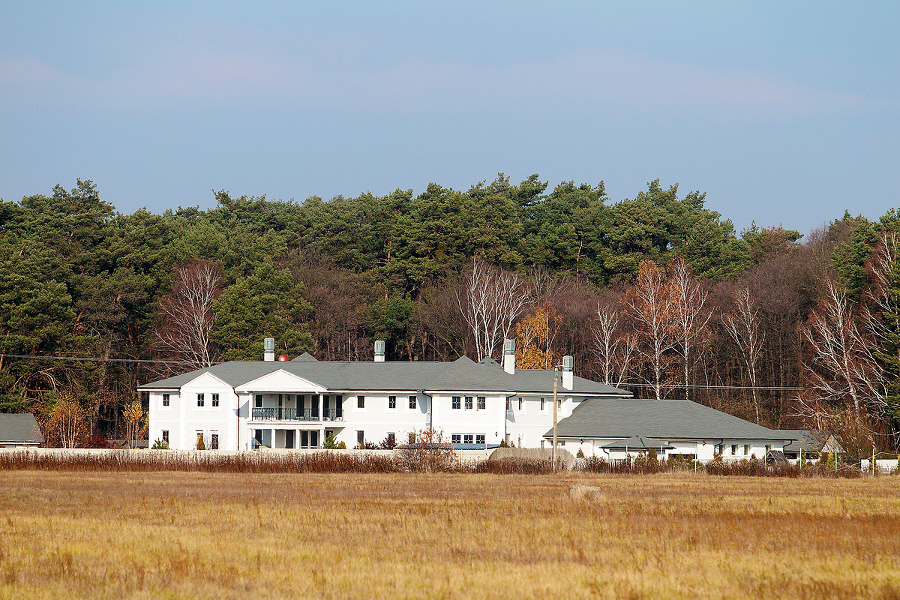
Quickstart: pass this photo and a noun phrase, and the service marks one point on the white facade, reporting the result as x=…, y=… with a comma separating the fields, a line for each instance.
x=287, y=405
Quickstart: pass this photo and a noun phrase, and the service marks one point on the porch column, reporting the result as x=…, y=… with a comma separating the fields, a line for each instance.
x=321, y=414
x=321, y=440
x=272, y=444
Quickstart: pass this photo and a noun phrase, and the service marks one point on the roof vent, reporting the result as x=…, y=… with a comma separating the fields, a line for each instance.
x=269, y=349
x=379, y=350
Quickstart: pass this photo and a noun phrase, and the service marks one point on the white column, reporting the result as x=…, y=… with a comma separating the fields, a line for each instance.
x=321, y=414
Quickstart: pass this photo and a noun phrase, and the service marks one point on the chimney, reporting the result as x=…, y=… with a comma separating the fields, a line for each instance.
x=269, y=349
x=509, y=356
x=568, y=372
x=379, y=350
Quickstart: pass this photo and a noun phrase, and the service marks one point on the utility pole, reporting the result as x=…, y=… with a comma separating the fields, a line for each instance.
x=555, y=381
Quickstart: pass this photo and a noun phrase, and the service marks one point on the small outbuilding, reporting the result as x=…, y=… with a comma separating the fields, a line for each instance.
x=812, y=443
x=19, y=430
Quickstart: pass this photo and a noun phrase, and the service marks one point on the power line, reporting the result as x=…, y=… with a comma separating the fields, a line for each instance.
x=668, y=386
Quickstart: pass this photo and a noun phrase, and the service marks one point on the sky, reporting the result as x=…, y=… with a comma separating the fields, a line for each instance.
x=783, y=113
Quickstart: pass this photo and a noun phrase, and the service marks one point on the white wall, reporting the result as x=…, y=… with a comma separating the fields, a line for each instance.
x=489, y=422
x=527, y=422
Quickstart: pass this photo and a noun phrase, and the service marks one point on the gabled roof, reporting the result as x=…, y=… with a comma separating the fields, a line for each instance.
x=659, y=419
x=20, y=429
x=462, y=375
x=808, y=441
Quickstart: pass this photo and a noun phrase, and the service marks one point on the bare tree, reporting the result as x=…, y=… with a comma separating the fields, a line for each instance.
x=688, y=314
x=613, y=348
x=491, y=301
x=743, y=327
x=186, y=317
x=650, y=307
x=844, y=380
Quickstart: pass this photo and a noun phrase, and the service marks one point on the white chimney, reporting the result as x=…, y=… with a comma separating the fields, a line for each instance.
x=379, y=350
x=568, y=372
x=269, y=349
x=509, y=356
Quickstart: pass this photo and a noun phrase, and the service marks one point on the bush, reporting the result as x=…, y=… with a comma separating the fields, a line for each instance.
x=160, y=445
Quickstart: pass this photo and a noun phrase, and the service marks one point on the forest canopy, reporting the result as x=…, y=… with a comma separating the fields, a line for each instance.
x=655, y=293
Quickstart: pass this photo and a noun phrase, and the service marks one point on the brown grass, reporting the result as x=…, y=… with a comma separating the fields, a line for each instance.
x=208, y=535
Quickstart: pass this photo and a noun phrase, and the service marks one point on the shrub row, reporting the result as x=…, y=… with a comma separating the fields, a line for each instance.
x=401, y=461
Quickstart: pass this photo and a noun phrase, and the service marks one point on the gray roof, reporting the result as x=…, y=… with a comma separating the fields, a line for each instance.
x=461, y=375
x=808, y=441
x=660, y=419
x=20, y=429
x=637, y=442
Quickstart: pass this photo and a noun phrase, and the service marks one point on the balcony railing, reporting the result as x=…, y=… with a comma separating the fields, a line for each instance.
x=293, y=414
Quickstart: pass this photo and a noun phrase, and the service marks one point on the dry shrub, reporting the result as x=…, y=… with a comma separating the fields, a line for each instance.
x=516, y=466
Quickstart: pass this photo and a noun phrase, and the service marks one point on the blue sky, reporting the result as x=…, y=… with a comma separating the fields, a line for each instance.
x=786, y=113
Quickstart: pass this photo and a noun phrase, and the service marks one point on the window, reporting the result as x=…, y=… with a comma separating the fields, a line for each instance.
x=734, y=449
x=412, y=403
x=360, y=402
x=479, y=439
x=469, y=404
x=215, y=400
x=361, y=438
x=456, y=438
x=392, y=437
x=482, y=403
x=457, y=402
x=258, y=401
x=508, y=405
x=165, y=436
x=200, y=400
x=521, y=404
x=746, y=449
x=200, y=444
x=214, y=441
x=467, y=438
x=392, y=402
x=542, y=404
x=165, y=399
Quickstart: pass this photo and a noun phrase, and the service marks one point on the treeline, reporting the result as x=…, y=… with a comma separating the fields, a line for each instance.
x=146, y=295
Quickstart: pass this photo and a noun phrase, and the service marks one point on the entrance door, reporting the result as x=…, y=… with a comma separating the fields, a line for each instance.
x=289, y=438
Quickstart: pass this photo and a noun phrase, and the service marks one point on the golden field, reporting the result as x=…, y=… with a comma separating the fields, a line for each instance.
x=208, y=535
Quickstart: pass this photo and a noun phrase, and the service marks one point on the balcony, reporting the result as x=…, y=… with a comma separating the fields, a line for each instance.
x=293, y=414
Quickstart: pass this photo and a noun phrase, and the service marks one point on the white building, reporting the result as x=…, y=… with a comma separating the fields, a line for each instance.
x=615, y=429
x=242, y=405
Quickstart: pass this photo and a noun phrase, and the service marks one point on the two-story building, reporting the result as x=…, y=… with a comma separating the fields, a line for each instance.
x=242, y=405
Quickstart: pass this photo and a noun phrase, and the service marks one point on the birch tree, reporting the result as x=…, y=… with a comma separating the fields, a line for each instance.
x=688, y=314
x=743, y=327
x=186, y=317
x=650, y=307
x=612, y=347
x=491, y=301
x=845, y=386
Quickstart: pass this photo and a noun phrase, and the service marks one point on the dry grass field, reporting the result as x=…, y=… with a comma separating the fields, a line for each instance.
x=206, y=535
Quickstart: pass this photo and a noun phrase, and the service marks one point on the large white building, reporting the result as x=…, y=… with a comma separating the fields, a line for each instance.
x=243, y=405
